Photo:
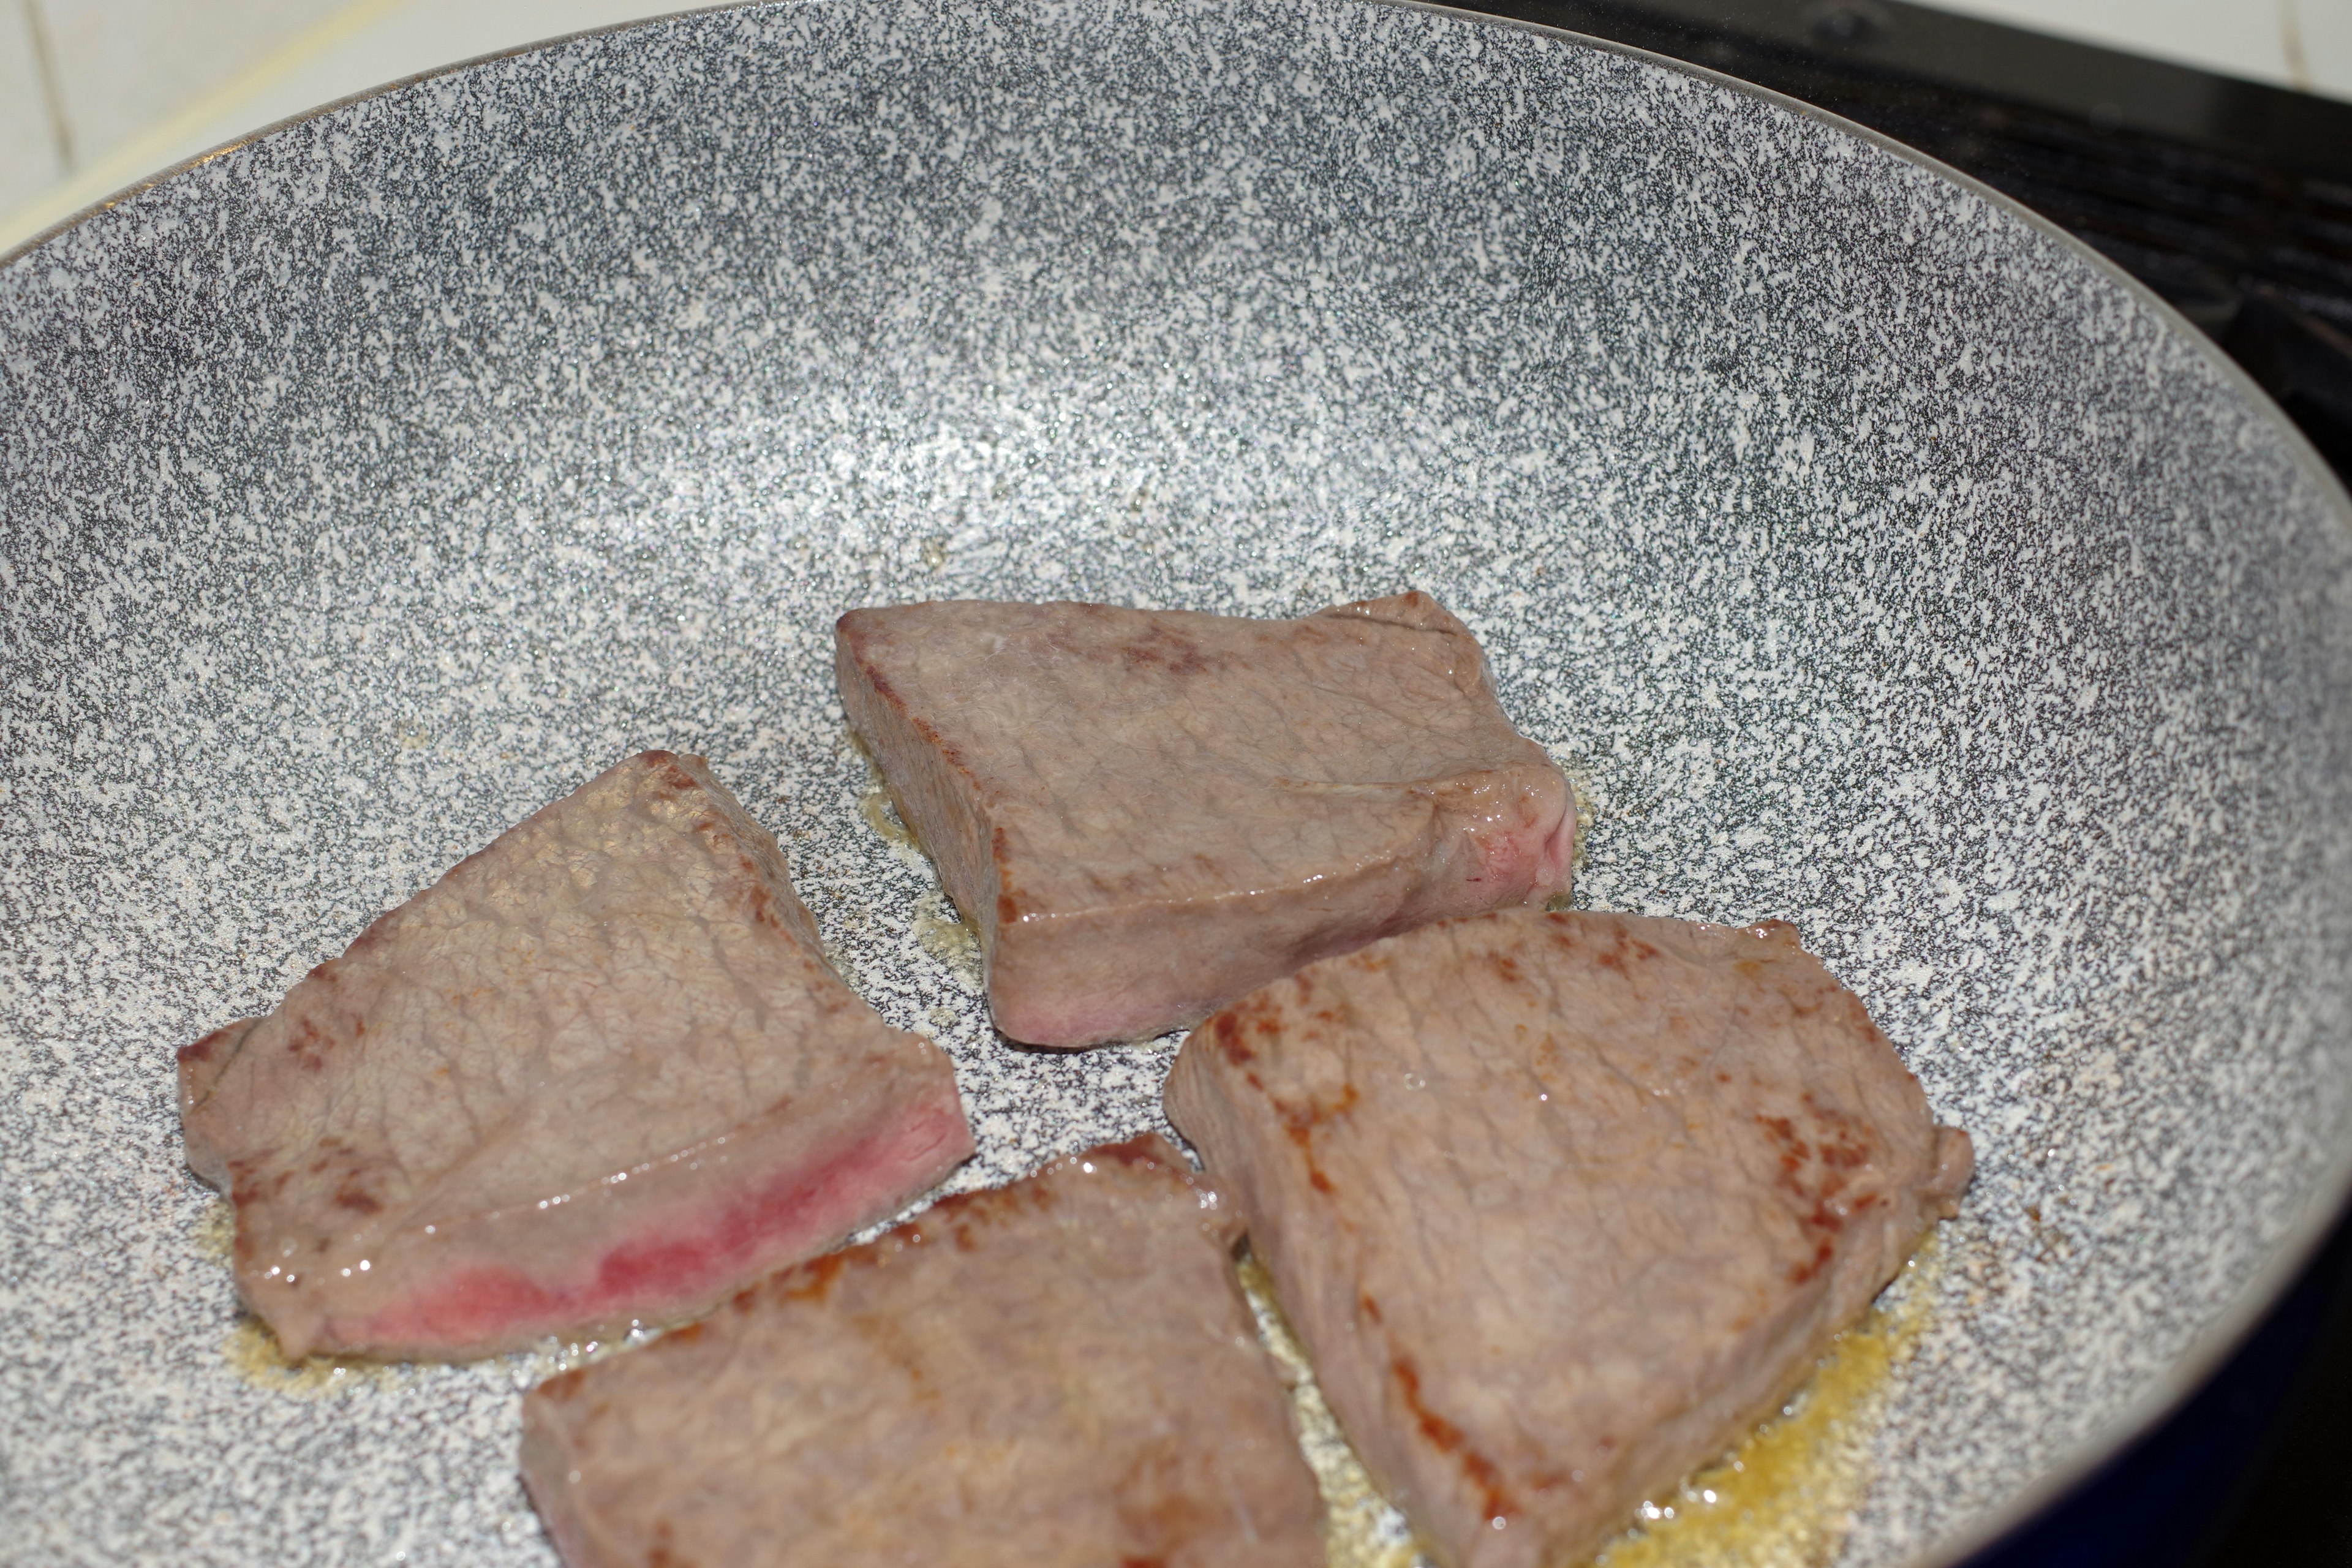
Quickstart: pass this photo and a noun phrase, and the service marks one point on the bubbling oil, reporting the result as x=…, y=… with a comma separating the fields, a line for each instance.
x=253, y=1353
x=1785, y=1498
x=940, y=928
x=215, y=1234
x=880, y=812
x=874, y=804
x=941, y=931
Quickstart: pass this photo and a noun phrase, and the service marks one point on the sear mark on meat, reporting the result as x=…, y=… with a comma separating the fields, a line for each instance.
x=1146, y=813
x=599, y=1071
x=1561, y=1203
x=1057, y=1374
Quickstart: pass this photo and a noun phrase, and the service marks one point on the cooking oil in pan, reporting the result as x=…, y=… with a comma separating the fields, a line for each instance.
x=941, y=931
x=1787, y=1496
x=216, y=1232
x=1784, y=1499
x=253, y=1353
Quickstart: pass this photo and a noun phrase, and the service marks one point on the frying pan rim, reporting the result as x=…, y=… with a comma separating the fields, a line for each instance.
x=2195, y=1366
x=2331, y=1198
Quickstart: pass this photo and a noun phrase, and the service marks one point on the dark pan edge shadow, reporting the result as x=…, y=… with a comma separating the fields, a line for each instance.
x=2292, y=1252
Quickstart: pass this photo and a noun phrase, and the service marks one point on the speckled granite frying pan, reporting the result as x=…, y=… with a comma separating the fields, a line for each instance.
x=1876, y=557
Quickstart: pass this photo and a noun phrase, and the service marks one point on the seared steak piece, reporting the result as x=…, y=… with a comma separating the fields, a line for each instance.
x=599, y=1071
x=1560, y=1204
x=1059, y=1374
x=1146, y=813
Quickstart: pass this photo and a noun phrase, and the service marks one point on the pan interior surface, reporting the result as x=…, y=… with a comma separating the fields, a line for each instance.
x=1871, y=559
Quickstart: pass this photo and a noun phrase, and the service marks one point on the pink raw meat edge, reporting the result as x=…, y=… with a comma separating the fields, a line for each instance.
x=670, y=1264
x=1542, y=860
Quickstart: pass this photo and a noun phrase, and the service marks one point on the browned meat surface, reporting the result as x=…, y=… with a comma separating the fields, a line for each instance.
x=1560, y=1204
x=1059, y=1374
x=599, y=1071
x=1146, y=813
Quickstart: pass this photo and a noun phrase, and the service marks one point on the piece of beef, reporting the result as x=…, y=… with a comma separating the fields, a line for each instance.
x=1146, y=813
x=1560, y=1204
x=1059, y=1374
x=599, y=1071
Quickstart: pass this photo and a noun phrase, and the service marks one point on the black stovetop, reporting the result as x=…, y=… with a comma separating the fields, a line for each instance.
x=2234, y=201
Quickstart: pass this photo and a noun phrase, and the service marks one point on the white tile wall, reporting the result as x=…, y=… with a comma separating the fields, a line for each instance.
x=122, y=65
x=2252, y=38
x=213, y=71
x=415, y=35
x=28, y=150
x=2323, y=31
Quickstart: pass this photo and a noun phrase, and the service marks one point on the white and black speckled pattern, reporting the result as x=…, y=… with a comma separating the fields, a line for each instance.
x=1876, y=560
